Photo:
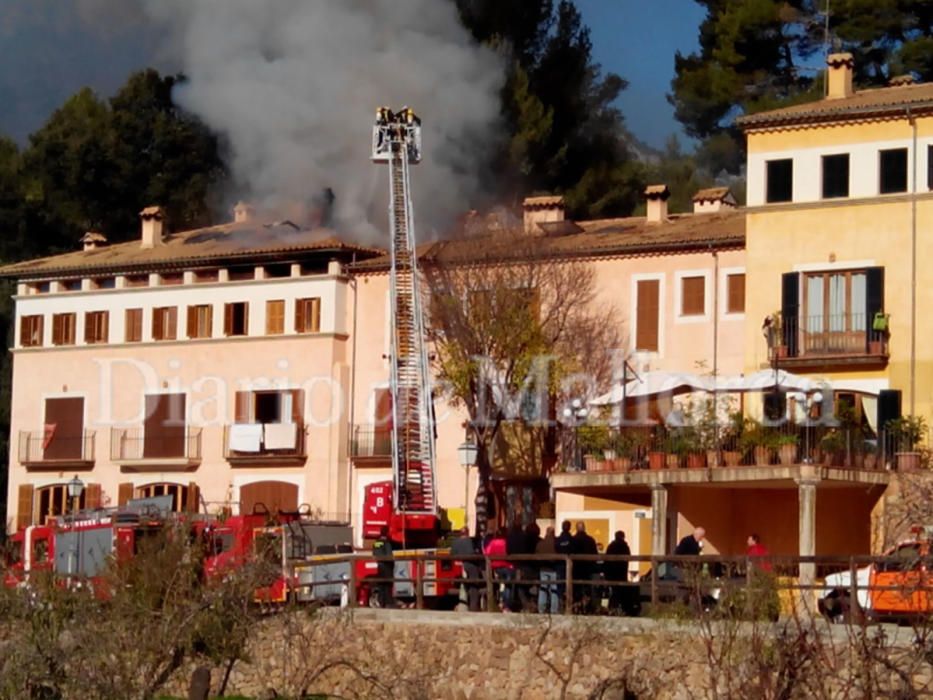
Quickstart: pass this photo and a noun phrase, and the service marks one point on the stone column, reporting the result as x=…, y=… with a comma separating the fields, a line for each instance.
x=658, y=520
x=806, y=496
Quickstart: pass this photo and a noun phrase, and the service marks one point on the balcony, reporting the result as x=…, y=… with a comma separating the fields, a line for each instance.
x=38, y=450
x=265, y=444
x=812, y=342
x=371, y=444
x=170, y=449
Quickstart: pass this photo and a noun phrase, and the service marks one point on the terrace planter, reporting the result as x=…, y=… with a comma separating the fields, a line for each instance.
x=656, y=460
x=696, y=460
x=731, y=458
x=907, y=461
x=712, y=458
x=671, y=461
x=590, y=463
x=762, y=456
x=622, y=464
x=787, y=454
x=871, y=460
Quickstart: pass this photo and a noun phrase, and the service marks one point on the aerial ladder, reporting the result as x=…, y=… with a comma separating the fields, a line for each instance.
x=397, y=142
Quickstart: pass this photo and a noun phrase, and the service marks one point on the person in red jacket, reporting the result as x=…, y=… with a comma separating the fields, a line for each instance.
x=757, y=552
x=502, y=570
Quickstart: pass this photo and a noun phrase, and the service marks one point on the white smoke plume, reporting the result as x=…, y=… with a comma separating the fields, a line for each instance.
x=293, y=85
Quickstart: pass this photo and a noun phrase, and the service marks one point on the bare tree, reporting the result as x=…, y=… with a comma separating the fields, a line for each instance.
x=514, y=331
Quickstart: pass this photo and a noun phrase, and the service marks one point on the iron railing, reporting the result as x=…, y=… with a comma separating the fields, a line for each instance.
x=371, y=441
x=133, y=444
x=36, y=447
x=833, y=335
x=268, y=445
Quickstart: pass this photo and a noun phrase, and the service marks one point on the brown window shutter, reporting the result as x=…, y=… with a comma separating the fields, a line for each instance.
x=124, y=493
x=245, y=318
x=228, y=319
x=299, y=316
x=194, y=498
x=158, y=324
x=104, y=326
x=193, y=322
x=208, y=321
x=648, y=307
x=693, y=296
x=134, y=325
x=171, y=331
x=298, y=405
x=275, y=317
x=92, y=496
x=89, y=322
x=315, y=315
x=56, y=329
x=242, y=406
x=736, y=294
x=24, y=506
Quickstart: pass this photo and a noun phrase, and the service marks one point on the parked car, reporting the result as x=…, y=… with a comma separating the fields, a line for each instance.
x=900, y=588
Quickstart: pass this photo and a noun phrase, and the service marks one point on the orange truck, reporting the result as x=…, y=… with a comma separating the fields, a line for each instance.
x=900, y=587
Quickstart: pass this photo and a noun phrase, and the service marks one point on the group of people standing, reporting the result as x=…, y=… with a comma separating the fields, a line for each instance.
x=540, y=584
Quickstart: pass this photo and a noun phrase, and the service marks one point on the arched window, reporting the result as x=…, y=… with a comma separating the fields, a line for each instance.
x=53, y=500
x=179, y=493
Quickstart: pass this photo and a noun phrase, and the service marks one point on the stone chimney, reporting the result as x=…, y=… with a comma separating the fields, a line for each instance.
x=540, y=210
x=657, y=196
x=153, y=219
x=712, y=200
x=839, y=76
x=92, y=240
x=243, y=213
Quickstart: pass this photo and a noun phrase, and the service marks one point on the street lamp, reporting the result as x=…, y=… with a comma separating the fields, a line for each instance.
x=466, y=452
x=575, y=414
x=75, y=489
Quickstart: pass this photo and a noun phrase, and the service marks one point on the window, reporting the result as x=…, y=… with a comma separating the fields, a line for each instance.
x=200, y=321
x=241, y=274
x=204, y=276
x=40, y=288
x=137, y=281
x=693, y=296
x=893, y=168
x=735, y=293
x=275, y=317
x=178, y=492
x=279, y=413
x=780, y=180
x=71, y=286
x=172, y=279
x=648, y=310
x=278, y=271
x=236, y=318
x=165, y=323
x=308, y=315
x=53, y=500
x=96, y=327
x=30, y=331
x=835, y=301
x=104, y=283
x=63, y=329
x=836, y=176
x=134, y=326
x=63, y=429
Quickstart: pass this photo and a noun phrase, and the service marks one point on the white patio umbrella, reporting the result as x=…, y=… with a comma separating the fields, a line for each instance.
x=653, y=384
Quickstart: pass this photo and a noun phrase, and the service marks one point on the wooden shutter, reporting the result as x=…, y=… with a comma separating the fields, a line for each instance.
x=735, y=294
x=648, y=309
x=158, y=324
x=92, y=496
x=57, y=333
x=67, y=415
x=193, y=331
x=171, y=324
x=242, y=405
x=790, y=310
x=124, y=493
x=24, y=506
x=298, y=403
x=228, y=319
x=693, y=296
x=133, y=331
x=194, y=498
x=315, y=315
x=164, y=427
x=874, y=295
x=275, y=317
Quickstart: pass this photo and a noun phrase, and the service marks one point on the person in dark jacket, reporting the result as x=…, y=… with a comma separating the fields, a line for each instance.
x=584, y=571
x=548, y=599
x=382, y=547
x=564, y=546
x=517, y=543
x=692, y=544
x=617, y=571
x=465, y=545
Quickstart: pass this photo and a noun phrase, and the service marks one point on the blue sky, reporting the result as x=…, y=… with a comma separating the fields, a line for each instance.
x=637, y=39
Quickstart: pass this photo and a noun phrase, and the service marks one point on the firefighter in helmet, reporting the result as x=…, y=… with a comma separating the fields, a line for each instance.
x=382, y=547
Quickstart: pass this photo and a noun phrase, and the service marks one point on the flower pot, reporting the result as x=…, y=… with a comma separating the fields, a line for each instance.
x=656, y=460
x=787, y=454
x=780, y=351
x=712, y=458
x=622, y=464
x=907, y=461
x=875, y=348
x=671, y=461
x=696, y=460
x=590, y=463
x=609, y=454
x=829, y=458
x=731, y=458
x=762, y=456
x=871, y=460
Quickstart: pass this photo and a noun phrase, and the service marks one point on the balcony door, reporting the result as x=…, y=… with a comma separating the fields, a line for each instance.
x=164, y=427
x=64, y=428
x=835, y=319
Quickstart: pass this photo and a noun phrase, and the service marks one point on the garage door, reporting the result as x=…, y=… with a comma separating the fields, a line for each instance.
x=274, y=495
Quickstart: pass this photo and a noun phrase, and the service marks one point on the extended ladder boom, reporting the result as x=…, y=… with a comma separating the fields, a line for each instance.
x=397, y=141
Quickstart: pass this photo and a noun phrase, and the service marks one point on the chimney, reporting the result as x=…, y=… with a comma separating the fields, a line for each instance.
x=243, y=213
x=92, y=240
x=657, y=196
x=153, y=220
x=839, y=76
x=712, y=200
x=540, y=210
x=902, y=80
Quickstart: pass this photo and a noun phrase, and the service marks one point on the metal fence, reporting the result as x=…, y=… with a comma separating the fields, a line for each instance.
x=34, y=447
x=129, y=444
x=371, y=441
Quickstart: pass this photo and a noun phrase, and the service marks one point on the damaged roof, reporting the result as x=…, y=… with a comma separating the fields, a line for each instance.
x=599, y=238
x=223, y=244
x=877, y=102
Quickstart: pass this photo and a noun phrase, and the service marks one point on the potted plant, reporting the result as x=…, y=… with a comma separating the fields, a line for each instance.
x=730, y=439
x=879, y=328
x=593, y=440
x=705, y=428
x=623, y=444
x=787, y=448
x=906, y=433
x=776, y=335
x=677, y=446
x=832, y=446
x=757, y=440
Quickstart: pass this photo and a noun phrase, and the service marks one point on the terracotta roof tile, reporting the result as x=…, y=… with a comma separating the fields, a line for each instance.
x=863, y=103
x=227, y=242
x=711, y=194
x=543, y=201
